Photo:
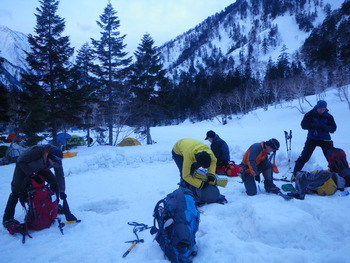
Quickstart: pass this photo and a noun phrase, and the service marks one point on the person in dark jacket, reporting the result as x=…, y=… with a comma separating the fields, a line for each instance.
x=256, y=161
x=219, y=148
x=319, y=123
x=38, y=159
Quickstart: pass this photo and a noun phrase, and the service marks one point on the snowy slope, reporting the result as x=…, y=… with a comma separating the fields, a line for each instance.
x=108, y=187
x=12, y=46
x=251, y=29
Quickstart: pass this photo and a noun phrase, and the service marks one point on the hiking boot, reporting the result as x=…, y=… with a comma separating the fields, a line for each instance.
x=273, y=190
x=8, y=222
x=13, y=226
x=296, y=195
x=70, y=217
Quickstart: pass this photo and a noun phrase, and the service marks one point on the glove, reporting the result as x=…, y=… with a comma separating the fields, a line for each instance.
x=275, y=168
x=211, y=178
x=63, y=195
x=257, y=178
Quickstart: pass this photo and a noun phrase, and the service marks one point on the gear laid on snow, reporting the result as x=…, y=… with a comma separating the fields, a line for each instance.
x=138, y=227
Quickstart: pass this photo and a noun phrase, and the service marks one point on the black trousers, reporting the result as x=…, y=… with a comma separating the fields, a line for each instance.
x=249, y=180
x=178, y=159
x=210, y=194
x=309, y=148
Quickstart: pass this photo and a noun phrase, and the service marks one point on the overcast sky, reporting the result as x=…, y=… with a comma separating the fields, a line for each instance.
x=162, y=19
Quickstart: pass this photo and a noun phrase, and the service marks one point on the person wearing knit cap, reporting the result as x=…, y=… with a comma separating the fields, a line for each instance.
x=190, y=155
x=38, y=159
x=319, y=123
x=255, y=161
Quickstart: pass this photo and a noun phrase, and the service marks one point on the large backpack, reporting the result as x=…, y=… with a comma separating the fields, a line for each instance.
x=177, y=218
x=41, y=204
x=231, y=169
x=321, y=182
x=336, y=160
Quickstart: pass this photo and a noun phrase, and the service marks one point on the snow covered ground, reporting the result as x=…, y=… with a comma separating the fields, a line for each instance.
x=108, y=187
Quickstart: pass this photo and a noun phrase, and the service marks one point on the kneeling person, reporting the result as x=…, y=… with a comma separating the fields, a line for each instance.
x=189, y=155
x=255, y=161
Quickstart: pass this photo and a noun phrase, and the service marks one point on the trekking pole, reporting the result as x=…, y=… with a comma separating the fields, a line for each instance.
x=137, y=227
x=288, y=137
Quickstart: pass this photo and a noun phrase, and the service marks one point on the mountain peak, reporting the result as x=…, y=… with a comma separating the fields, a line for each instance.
x=12, y=45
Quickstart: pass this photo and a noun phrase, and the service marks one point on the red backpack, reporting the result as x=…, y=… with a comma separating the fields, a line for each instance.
x=41, y=205
x=231, y=169
x=336, y=160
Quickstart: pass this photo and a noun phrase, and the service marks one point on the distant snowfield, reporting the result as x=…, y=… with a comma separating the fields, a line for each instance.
x=108, y=187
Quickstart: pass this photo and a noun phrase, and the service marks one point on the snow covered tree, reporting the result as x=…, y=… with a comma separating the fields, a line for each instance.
x=147, y=75
x=44, y=94
x=283, y=64
x=112, y=68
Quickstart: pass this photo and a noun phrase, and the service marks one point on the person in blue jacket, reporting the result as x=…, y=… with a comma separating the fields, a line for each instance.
x=319, y=123
x=219, y=148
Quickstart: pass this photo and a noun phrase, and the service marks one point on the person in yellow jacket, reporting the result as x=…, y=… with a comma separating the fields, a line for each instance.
x=189, y=155
x=256, y=161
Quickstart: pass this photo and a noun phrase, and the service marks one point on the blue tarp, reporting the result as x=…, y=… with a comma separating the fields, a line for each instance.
x=61, y=139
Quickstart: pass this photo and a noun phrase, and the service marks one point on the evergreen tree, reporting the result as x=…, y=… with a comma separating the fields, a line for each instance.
x=147, y=75
x=1, y=61
x=87, y=84
x=44, y=95
x=4, y=105
x=283, y=64
x=113, y=65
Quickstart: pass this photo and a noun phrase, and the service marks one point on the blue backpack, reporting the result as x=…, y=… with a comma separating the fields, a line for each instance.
x=177, y=218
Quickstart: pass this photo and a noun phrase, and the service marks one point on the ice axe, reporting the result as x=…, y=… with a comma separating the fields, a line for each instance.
x=134, y=242
x=138, y=227
x=62, y=224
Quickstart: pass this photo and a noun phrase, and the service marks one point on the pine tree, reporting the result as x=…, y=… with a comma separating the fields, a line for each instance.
x=113, y=64
x=49, y=61
x=147, y=75
x=87, y=84
x=1, y=61
x=283, y=64
x=4, y=105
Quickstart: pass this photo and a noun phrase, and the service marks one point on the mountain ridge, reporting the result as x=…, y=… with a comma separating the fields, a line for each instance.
x=247, y=32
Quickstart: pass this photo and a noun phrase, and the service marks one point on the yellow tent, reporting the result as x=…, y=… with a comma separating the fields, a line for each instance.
x=129, y=142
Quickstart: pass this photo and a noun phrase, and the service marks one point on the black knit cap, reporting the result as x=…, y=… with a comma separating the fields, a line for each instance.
x=203, y=159
x=55, y=155
x=273, y=143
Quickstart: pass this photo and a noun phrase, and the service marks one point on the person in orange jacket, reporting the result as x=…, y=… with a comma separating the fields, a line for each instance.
x=189, y=155
x=256, y=161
